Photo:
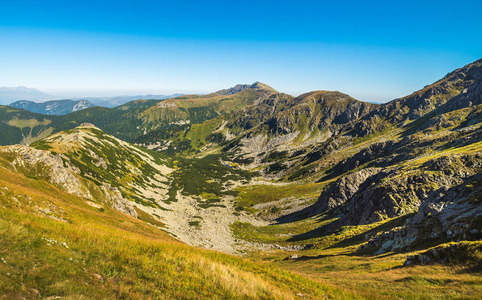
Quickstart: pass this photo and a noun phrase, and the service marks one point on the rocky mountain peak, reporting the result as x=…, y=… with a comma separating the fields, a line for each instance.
x=242, y=87
x=262, y=86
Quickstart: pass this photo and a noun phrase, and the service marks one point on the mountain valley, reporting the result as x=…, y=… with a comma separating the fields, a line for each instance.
x=299, y=197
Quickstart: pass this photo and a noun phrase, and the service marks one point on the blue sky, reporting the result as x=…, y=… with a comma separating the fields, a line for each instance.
x=372, y=50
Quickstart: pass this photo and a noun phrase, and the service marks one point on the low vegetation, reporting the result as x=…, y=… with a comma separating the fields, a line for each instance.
x=100, y=253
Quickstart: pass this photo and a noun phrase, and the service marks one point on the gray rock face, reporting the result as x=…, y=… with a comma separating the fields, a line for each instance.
x=41, y=163
x=370, y=195
x=117, y=201
x=51, y=167
x=447, y=214
x=344, y=189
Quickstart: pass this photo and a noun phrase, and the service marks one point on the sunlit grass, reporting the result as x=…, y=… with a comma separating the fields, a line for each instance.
x=55, y=244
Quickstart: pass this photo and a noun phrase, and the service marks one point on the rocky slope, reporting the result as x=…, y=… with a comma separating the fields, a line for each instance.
x=283, y=121
x=190, y=198
x=378, y=161
x=371, y=162
x=457, y=90
x=428, y=163
x=105, y=160
x=55, y=169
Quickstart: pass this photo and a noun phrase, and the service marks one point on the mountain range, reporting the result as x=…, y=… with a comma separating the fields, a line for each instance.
x=9, y=94
x=21, y=93
x=378, y=199
x=53, y=107
x=119, y=100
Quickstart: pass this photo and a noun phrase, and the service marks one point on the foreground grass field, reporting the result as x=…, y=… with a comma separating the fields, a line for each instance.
x=383, y=277
x=334, y=260
x=55, y=244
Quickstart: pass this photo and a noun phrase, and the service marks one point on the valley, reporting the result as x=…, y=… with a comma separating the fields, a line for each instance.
x=316, y=196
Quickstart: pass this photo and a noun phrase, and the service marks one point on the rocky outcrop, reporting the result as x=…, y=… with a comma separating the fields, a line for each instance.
x=44, y=164
x=345, y=188
x=447, y=214
x=458, y=89
x=57, y=170
x=117, y=201
x=368, y=154
x=371, y=195
x=463, y=252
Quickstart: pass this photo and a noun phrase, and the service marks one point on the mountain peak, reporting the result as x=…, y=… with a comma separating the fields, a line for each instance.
x=242, y=87
x=10, y=94
x=17, y=88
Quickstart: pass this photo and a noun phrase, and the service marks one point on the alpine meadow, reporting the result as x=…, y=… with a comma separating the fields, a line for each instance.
x=250, y=191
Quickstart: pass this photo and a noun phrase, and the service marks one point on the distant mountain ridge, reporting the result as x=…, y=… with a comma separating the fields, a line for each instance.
x=120, y=100
x=54, y=107
x=9, y=94
x=19, y=93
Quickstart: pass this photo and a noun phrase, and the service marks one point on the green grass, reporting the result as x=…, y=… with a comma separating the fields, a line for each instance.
x=55, y=245
x=125, y=164
x=382, y=277
x=333, y=259
x=198, y=133
x=204, y=177
x=251, y=195
x=384, y=131
x=280, y=234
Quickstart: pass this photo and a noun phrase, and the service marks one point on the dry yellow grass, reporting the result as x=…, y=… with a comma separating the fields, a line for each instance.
x=56, y=244
x=382, y=276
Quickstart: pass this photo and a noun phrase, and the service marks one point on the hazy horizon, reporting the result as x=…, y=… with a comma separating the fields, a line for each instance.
x=88, y=93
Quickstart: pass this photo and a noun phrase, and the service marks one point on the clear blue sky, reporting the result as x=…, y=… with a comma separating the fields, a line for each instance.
x=372, y=50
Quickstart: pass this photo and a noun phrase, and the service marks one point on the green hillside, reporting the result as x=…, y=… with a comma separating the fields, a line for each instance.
x=91, y=251
x=378, y=201
x=21, y=126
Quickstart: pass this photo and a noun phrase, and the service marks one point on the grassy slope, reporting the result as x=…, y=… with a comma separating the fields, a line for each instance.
x=107, y=254
x=19, y=125
x=382, y=277
x=252, y=195
x=129, y=121
x=334, y=260
x=188, y=121
x=126, y=164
